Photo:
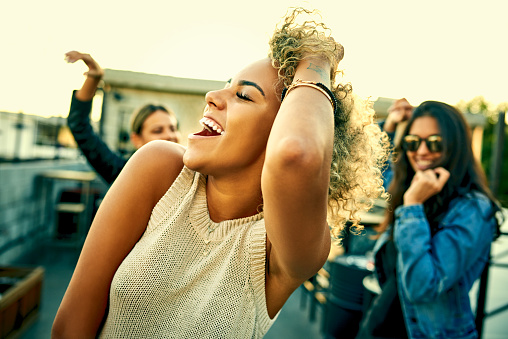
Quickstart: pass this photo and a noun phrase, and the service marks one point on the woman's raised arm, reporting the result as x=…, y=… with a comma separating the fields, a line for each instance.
x=296, y=174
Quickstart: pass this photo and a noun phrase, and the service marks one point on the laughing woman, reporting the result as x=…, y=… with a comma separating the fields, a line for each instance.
x=437, y=234
x=210, y=241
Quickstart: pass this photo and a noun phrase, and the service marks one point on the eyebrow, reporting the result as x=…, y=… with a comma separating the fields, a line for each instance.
x=250, y=83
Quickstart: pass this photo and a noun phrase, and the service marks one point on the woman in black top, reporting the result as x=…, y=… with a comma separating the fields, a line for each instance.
x=150, y=122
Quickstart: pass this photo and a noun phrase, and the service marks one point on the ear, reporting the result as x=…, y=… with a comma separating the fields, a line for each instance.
x=136, y=140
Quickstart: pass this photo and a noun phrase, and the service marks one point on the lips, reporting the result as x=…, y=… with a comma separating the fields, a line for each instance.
x=424, y=164
x=211, y=127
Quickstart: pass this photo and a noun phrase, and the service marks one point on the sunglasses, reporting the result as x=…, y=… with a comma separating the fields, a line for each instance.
x=411, y=143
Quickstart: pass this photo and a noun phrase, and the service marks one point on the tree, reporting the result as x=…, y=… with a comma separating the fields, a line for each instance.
x=478, y=105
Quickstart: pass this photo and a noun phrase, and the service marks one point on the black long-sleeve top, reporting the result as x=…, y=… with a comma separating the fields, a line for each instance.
x=105, y=162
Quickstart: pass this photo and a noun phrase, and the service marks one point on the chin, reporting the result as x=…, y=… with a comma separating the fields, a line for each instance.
x=423, y=168
x=194, y=161
x=188, y=160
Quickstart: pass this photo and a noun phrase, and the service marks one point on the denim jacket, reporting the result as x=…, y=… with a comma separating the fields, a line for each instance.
x=387, y=170
x=435, y=273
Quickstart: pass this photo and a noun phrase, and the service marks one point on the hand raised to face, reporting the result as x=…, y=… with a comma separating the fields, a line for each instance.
x=426, y=184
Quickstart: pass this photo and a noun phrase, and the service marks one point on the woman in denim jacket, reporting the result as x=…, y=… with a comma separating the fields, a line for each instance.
x=443, y=220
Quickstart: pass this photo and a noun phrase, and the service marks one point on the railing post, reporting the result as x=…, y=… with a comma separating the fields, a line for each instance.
x=497, y=154
x=495, y=176
x=482, y=296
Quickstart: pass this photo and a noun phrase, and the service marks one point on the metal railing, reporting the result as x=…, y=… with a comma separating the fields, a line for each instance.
x=481, y=313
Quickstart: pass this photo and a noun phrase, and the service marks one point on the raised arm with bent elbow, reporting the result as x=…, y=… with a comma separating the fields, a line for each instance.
x=296, y=173
x=105, y=162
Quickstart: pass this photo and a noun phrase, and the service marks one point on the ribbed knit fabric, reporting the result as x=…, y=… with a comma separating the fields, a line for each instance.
x=189, y=277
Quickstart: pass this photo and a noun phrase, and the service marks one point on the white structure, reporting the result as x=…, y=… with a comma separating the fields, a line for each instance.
x=125, y=91
x=26, y=136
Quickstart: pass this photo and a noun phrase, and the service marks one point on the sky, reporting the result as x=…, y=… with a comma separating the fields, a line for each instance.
x=422, y=50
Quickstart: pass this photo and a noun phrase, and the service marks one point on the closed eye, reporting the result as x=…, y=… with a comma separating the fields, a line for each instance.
x=243, y=96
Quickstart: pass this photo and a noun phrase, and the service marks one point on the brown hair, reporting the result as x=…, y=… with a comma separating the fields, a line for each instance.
x=140, y=115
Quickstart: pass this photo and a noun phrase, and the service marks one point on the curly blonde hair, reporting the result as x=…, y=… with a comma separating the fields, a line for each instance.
x=360, y=147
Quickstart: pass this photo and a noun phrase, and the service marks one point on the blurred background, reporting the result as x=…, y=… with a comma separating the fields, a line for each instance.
x=453, y=51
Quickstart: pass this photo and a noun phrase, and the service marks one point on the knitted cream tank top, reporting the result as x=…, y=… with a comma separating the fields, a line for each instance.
x=189, y=277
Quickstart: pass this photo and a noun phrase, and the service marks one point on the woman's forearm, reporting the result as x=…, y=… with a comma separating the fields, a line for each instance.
x=303, y=127
x=88, y=89
x=93, y=75
x=295, y=178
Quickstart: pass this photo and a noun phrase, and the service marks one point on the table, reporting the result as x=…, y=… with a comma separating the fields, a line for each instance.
x=84, y=208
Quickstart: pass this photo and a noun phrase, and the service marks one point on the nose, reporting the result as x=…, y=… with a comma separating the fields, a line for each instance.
x=172, y=135
x=175, y=136
x=215, y=99
x=423, y=149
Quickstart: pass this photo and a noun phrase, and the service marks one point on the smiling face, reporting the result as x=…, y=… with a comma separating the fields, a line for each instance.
x=237, y=122
x=423, y=159
x=159, y=125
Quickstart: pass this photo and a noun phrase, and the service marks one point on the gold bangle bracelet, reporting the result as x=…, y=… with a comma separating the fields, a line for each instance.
x=311, y=84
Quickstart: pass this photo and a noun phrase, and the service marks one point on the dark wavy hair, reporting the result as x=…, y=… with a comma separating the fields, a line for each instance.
x=466, y=174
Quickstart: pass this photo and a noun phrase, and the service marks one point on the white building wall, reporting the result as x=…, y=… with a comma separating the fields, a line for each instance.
x=21, y=143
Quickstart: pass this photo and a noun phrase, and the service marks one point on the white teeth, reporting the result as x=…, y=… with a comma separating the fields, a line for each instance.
x=210, y=125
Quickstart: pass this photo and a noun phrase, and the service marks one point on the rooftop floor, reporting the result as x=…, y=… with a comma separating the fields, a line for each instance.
x=293, y=322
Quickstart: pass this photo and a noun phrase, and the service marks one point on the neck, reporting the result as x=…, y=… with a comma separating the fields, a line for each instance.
x=232, y=199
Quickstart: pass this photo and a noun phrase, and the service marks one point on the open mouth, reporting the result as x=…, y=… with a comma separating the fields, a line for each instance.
x=425, y=164
x=211, y=128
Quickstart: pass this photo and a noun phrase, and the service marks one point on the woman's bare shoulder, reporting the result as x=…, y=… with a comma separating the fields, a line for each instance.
x=156, y=165
x=163, y=152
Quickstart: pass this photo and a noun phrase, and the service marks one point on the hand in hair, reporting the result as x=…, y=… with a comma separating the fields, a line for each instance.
x=426, y=184
x=296, y=41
